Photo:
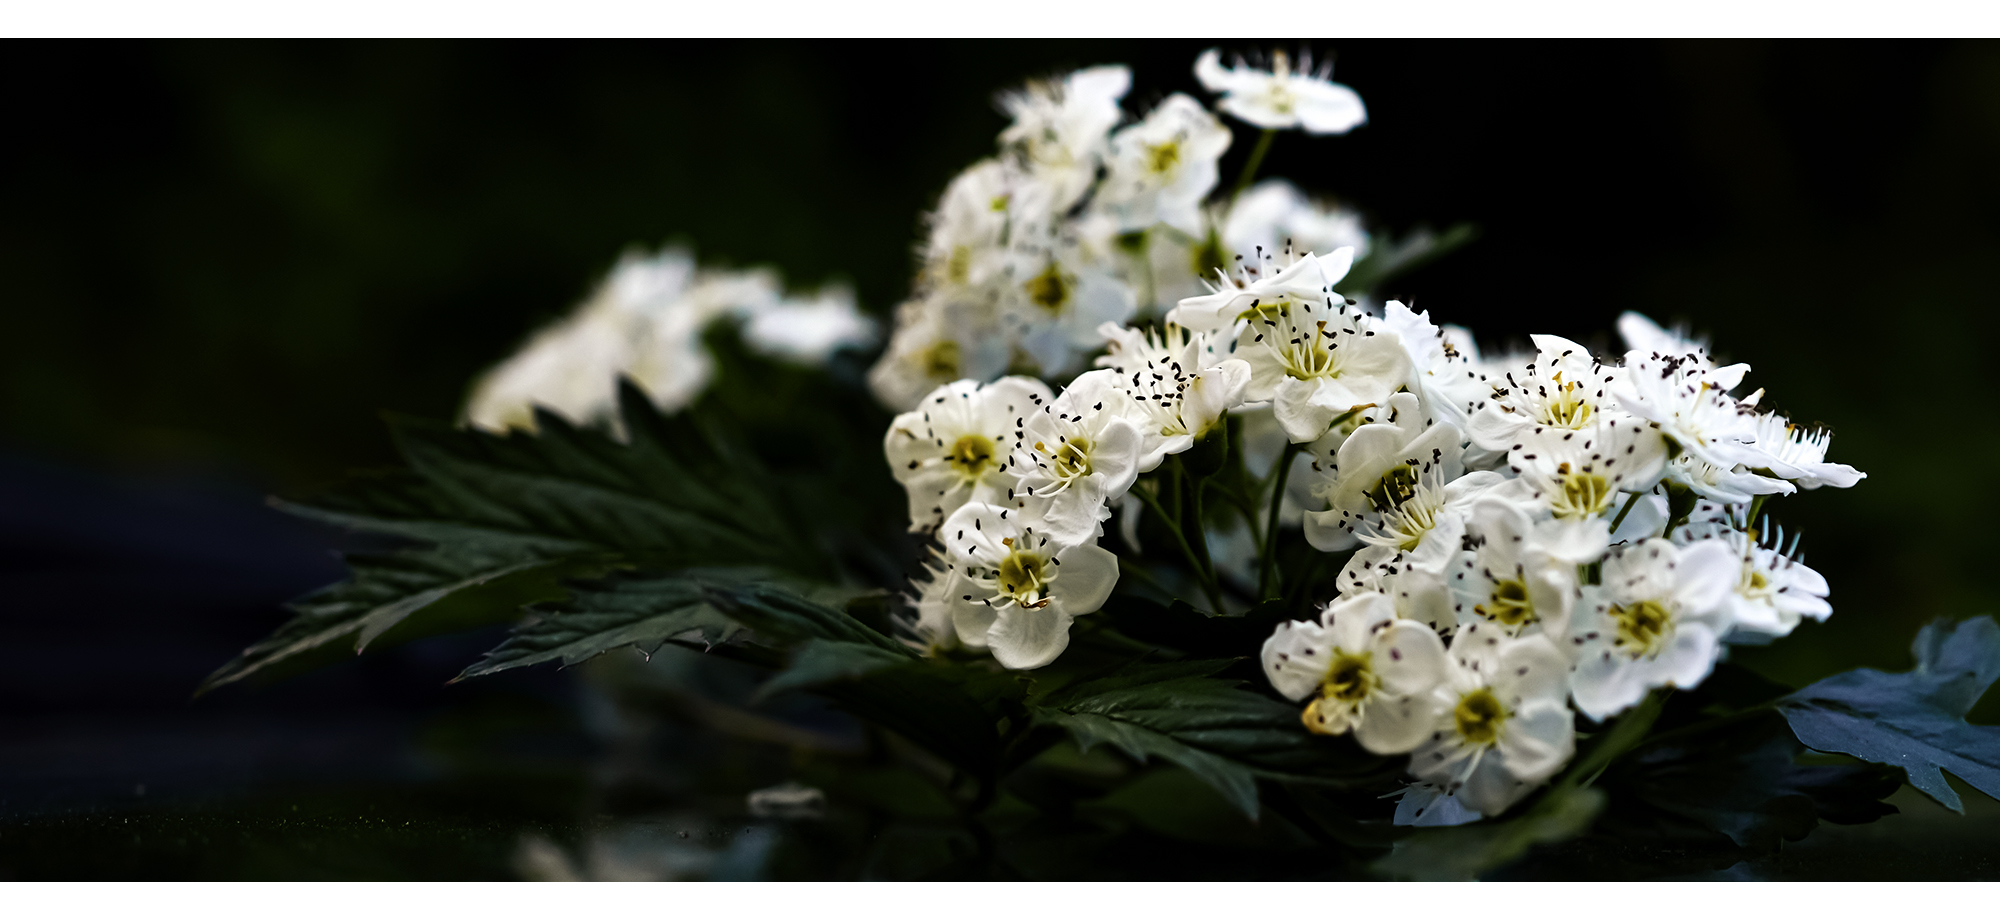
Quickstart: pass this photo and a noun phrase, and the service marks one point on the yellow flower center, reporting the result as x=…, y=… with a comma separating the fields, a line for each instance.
x=1070, y=459
x=1568, y=408
x=1510, y=605
x=1396, y=487
x=1162, y=158
x=1024, y=575
x=940, y=361
x=1583, y=495
x=1643, y=627
x=1478, y=717
x=1050, y=290
x=972, y=455
x=1350, y=678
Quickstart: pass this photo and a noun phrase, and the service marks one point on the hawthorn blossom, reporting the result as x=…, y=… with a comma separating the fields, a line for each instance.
x=1179, y=392
x=1022, y=588
x=955, y=446
x=1060, y=128
x=939, y=338
x=1253, y=291
x=1658, y=618
x=1057, y=296
x=808, y=331
x=1076, y=454
x=1317, y=362
x=1690, y=403
x=1563, y=390
x=1443, y=363
x=1274, y=215
x=1161, y=168
x=1501, y=727
x=1281, y=97
x=1522, y=576
x=1794, y=453
x=1774, y=590
x=1360, y=665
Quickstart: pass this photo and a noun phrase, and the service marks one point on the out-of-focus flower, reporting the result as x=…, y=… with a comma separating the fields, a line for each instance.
x=1281, y=97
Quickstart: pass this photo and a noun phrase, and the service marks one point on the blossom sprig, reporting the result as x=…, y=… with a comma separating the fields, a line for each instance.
x=1521, y=541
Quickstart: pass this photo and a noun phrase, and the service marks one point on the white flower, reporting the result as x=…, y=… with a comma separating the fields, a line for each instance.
x=1643, y=335
x=1690, y=403
x=1564, y=390
x=955, y=446
x=1730, y=485
x=1254, y=291
x=1774, y=590
x=1021, y=588
x=1059, y=130
x=1058, y=296
x=1178, y=391
x=1419, y=595
x=809, y=331
x=970, y=228
x=1317, y=362
x=933, y=630
x=1657, y=619
x=1396, y=484
x=1791, y=452
x=1360, y=665
x=1443, y=368
x=1079, y=452
x=1280, y=97
x=1501, y=727
x=644, y=320
x=1522, y=576
x=1274, y=215
x=938, y=339
x=1162, y=167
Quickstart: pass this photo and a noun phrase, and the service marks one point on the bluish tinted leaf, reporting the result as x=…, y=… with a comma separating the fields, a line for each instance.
x=1916, y=719
x=1470, y=850
x=817, y=662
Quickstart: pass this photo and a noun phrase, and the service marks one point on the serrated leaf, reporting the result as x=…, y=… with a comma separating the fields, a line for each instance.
x=638, y=611
x=786, y=618
x=1914, y=720
x=1468, y=851
x=483, y=507
x=1178, y=712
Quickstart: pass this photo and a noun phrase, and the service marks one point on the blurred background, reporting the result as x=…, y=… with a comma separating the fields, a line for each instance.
x=221, y=261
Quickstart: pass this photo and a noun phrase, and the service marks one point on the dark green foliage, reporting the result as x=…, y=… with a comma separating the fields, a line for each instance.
x=1914, y=720
x=479, y=508
x=614, y=613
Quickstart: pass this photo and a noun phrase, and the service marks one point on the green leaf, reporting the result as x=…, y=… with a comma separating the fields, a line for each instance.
x=785, y=618
x=638, y=611
x=1916, y=719
x=481, y=508
x=1179, y=713
x=1470, y=850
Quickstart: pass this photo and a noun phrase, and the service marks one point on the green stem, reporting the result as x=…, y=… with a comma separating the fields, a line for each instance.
x=1620, y=519
x=1267, y=575
x=1756, y=505
x=1207, y=580
x=1256, y=160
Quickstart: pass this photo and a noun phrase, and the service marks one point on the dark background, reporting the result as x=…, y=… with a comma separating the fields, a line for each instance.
x=219, y=261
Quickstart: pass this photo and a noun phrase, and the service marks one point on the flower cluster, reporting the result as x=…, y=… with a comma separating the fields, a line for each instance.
x=1086, y=217
x=645, y=321
x=1524, y=538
